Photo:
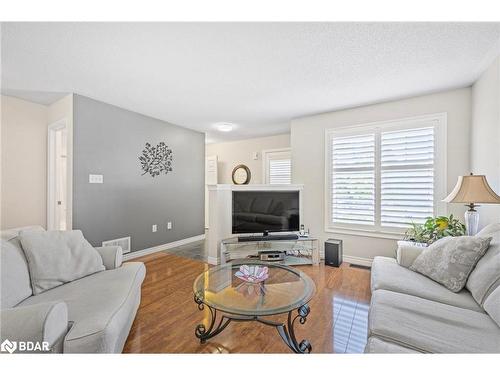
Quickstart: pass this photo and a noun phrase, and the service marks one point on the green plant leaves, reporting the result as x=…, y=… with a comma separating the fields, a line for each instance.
x=435, y=228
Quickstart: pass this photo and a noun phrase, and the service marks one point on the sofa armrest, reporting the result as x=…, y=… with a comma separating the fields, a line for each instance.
x=45, y=324
x=407, y=253
x=112, y=256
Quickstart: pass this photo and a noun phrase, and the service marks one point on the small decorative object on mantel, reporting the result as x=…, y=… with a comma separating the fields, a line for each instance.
x=433, y=229
x=472, y=189
x=156, y=159
x=241, y=175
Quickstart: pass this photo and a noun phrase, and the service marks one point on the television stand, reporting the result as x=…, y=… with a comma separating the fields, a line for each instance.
x=299, y=250
x=268, y=237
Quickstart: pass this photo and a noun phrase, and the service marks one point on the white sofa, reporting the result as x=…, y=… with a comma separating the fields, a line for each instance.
x=410, y=313
x=93, y=314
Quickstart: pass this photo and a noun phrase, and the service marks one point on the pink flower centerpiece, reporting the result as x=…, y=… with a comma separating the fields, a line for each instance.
x=252, y=274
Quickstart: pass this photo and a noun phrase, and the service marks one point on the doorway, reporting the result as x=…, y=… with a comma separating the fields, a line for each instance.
x=57, y=178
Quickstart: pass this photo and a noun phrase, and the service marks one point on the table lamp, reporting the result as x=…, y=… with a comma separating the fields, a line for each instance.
x=471, y=190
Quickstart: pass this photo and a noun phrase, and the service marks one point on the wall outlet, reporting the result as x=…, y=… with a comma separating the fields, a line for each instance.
x=169, y=225
x=155, y=228
x=96, y=179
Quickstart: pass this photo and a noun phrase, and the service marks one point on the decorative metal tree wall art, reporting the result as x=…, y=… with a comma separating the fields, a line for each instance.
x=156, y=160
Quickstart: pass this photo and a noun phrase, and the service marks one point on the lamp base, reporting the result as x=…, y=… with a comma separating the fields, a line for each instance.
x=471, y=221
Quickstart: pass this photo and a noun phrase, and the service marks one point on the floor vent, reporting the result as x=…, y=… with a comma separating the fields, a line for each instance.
x=123, y=242
x=360, y=266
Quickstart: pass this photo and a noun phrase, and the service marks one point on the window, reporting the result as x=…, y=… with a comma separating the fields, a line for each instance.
x=406, y=176
x=382, y=177
x=353, y=179
x=277, y=166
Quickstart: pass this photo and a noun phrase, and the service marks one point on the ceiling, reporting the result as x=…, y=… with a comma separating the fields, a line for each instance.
x=255, y=75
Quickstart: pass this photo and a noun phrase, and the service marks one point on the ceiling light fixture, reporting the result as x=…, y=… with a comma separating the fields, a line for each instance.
x=224, y=126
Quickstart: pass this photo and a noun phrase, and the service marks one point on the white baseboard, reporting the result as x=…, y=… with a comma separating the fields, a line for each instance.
x=358, y=260
x=170, y=245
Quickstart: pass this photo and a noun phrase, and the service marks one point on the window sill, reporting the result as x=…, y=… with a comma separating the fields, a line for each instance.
x=365, y=233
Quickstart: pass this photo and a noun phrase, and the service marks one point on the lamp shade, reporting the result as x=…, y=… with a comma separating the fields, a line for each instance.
x=472, y=189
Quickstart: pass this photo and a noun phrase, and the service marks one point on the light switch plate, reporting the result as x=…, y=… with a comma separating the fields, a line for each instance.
x=169, y=225
x=96, y=178
x=154, y=228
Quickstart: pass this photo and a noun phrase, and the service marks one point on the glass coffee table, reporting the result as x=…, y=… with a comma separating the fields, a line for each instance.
x=243, y=291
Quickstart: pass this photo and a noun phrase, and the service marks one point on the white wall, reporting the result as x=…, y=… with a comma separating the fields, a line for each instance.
x=308, y=154
x=24, y=159
x=230, y=154
x=24, y=163
x=485, y=135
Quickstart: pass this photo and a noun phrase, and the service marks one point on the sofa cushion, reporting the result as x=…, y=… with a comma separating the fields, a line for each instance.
x=46, y=322
x=58, y=257
x=15, y=281
x=271, y=220
x=492, y=305
x=277, y=208
x=377, y=345
x=244, y=216
x=486, y=275
x=262, y=205
x=489, y=230
x=388, y=274
x=243, y=204
x=101, y=306
x=407, y=252
x=450, y=260
x=429, y=326
x=10, y=234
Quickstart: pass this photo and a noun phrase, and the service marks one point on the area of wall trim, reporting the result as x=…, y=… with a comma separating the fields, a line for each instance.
x=167, y=246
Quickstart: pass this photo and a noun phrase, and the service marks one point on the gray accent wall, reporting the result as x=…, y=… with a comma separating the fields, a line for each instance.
x=108, y=140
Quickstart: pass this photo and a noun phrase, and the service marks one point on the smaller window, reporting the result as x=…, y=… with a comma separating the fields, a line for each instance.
x=277, y=166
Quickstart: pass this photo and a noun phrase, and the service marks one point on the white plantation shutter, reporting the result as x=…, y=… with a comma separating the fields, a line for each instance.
x=278, y=166
x=407, y=176
x=353, y=179
x=386, y=176
x=280, y=171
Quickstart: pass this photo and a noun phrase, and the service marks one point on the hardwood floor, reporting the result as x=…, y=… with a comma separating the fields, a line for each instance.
x=167, y=316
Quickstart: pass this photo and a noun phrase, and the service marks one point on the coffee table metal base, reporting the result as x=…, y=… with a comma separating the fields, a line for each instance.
x=285, y=330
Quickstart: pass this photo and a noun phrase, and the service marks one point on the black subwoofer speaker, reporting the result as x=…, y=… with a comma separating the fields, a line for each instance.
x=333, y=253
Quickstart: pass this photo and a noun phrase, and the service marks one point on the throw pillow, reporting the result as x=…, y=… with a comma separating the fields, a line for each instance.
x=450, y=260
x=486, y=275
x=58, y=257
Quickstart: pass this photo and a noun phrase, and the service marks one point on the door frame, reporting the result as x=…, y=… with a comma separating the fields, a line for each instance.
x=51, y=181
x=215, y=159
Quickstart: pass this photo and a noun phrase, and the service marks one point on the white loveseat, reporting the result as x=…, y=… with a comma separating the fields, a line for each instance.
x=93, y=314
x=410, y=313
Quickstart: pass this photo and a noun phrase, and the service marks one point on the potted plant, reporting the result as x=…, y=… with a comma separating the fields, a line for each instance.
x=433, y=229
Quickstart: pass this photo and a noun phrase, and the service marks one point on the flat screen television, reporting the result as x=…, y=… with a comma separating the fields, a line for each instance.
x=265, y=211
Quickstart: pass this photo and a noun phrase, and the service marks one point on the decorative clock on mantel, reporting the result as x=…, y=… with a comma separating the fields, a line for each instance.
x=241, y=175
